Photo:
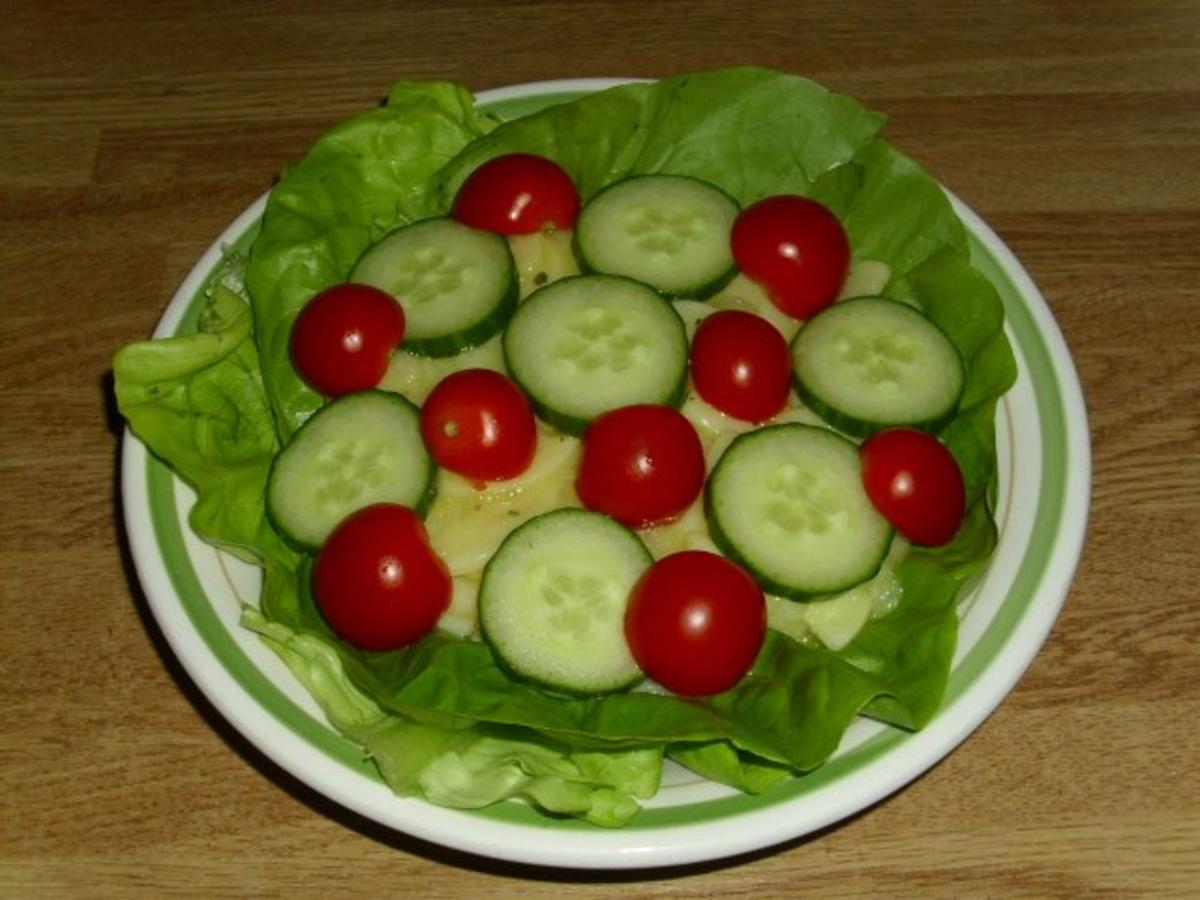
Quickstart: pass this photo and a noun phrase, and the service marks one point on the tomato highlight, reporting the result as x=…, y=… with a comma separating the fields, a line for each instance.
x=741, y=365
x=643, y=465
x=478, y=423
x=343, y=338
x=916, y=483
x=377, y=580
x=518, y=193
x=796, y=249
x=695, y=623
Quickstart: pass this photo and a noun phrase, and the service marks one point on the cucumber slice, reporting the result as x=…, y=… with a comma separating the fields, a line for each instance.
x=457, y=285
x=787, y=502
x=361, y=449
x=591, y=343
x=552, y=601
x=670, y=231
x=871, y=363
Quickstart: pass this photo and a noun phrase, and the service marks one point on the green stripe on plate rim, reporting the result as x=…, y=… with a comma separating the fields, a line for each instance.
x=1047, y=524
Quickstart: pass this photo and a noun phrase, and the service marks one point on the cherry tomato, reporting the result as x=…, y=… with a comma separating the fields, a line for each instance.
x=695, y=622
x=915, y=482
x=378, y=582
x=642, y=465
x=518, y=194
x=479, y=424
x=741, y=365
x=796, y=249
x=343, y=338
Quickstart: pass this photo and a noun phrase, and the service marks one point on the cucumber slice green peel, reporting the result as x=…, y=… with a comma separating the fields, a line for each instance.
x=787, y=502
x=871, y=363
x=669, y=231
x=588, y=344
x=458, y=285
x=552, y=601
x=358, y=450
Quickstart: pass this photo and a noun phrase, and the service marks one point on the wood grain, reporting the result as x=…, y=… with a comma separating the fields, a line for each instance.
x=131, y=134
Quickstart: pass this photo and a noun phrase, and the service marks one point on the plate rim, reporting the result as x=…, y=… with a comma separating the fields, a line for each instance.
x=599, y=848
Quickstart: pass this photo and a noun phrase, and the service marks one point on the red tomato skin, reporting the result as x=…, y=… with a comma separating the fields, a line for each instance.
x=478, y=423
x=518, y=193
x=741, y=365
x=643, y=465
x=695, y=623
x=796, y=249
x=378, y=582
x=343, y=338
x=916, y=483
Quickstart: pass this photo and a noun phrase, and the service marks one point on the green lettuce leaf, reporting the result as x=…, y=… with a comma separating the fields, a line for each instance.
x=441, y=719
x=899, y=214
x=967, y=307
x=722, y=762
x=466, y=768
x=751, y=131
x=472, y=768
x=360, y=180
x=197, y=402
x=792, y=708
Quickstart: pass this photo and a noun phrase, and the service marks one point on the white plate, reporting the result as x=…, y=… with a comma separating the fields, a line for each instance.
x=194, y=593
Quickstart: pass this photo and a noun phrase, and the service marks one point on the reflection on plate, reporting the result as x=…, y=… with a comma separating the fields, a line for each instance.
x=195, y=594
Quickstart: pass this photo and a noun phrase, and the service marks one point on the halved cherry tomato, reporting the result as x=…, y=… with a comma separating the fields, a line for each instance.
x=343, y=338
x=741, y=365
x=642, y=465
x=518, y=194
x=478, y=423
x=915, y=482
x=796, y=249
x=695, y=622
x=377, y=580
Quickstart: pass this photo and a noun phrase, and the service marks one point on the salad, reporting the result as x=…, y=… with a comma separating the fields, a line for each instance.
x=466, y=722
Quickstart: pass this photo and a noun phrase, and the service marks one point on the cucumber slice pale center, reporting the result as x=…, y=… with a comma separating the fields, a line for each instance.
x=881, y=359
x=429, y=273
x=799, y=500
x=348, y=468
x=657, y=229
x=598, y=340
x=576, y=603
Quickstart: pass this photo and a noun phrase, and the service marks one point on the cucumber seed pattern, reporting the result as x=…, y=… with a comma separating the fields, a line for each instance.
x=659, y=229
x=574, y=602
x=597, y=340
x=347, y=469
x=802, y=503
x=882, y=358
x=428, y=273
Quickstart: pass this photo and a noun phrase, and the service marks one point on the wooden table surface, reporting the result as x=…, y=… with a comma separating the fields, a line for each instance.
x=131, y=134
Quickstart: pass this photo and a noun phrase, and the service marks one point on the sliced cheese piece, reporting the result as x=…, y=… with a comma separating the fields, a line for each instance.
x=710, y=423
x=467, y=523
x=672, y=537
x=788, y=617
x=415, y=376
x=542, y=257
x=866, y=278
x=742, y=293
x=835, y=621
x=461, y=618
x=693, y=312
